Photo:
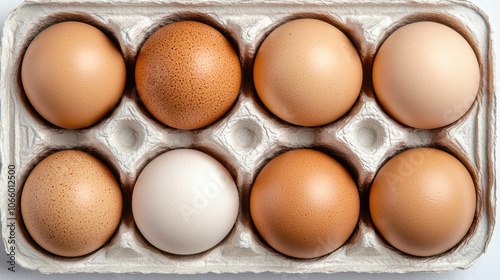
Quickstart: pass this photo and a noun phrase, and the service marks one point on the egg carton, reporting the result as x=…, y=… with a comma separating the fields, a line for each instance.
x=247, y=136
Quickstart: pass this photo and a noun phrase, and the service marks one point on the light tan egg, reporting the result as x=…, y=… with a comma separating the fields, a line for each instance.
x=426, y=75
x=304, y=203
x=307, y=72
x=423, y=201
x=73, y=74
x=188, y=75
x=71, y=203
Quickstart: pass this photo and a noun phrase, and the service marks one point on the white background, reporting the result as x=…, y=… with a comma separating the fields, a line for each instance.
x=486, y=267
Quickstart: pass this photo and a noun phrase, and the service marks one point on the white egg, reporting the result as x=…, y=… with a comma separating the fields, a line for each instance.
x=185, y=202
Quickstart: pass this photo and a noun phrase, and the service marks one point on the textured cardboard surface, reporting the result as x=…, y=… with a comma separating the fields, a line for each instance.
x=26, y=138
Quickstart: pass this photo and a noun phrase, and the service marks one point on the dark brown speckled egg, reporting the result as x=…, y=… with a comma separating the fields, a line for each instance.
x=304, y=204
x=188, y=75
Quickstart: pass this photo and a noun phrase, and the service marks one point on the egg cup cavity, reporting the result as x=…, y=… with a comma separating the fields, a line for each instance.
x=467, y=32
x=370, y=135
x=129, y=136
x=465, y=241
x=353, y=33
x=352, y=239
x=195, y=206
x=51, y=19
x=246, y=135
x=217, y=36
x=25, y=236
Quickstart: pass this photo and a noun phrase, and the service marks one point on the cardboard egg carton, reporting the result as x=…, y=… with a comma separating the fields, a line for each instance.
x=247, y=136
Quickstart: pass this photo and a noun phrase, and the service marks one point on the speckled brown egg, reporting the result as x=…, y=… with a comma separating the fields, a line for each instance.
x=423, y=201
x=73, y=74
x=307, y=72
x=71, y=203
x=304, y=203
x=188, y=75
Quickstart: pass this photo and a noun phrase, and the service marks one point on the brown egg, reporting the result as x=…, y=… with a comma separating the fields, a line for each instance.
x=423, y=201
x=73, y=74
x=188, y=75
x=426, y=75
x=71, y=203
x=304, y=204
x=307, y=72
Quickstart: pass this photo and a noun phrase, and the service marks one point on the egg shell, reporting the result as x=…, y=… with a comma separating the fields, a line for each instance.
x=426, y=75
x=73, y=74
x=188, y=74
x=185, y=202
x=304, y=203
x=423, y=201
x=307, y=72
x=71, y=203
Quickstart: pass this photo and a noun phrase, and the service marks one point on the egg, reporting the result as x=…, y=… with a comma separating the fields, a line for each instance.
x=307, y=72
x=426, y=75
x=423, y=201
x=73, y=74
x=304, y=203
x=188, y=75
x=185, y=202
x=71, y=203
